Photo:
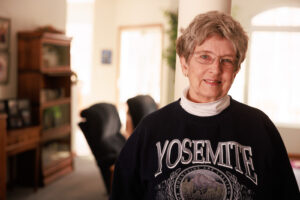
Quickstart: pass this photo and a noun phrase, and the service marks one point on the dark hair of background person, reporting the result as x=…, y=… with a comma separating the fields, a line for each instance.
x=140, y=106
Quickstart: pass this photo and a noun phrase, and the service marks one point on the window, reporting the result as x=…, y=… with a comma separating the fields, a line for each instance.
x=274, y=65
x=140, y=64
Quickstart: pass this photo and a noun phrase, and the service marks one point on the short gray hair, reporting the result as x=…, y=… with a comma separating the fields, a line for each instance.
x=207, y=24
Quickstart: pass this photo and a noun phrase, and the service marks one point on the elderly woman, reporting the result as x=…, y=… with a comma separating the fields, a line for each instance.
x=206, y=145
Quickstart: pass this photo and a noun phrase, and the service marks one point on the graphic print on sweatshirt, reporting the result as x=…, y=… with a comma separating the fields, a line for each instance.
x=209, y=175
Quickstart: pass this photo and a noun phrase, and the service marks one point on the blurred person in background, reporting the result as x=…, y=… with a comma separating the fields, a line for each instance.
x=138, y=107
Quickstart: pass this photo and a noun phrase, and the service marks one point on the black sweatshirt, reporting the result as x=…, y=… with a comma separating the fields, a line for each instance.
x=237, y=154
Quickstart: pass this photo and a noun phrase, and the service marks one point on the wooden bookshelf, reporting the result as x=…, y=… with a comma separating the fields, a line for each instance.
x=44, y=77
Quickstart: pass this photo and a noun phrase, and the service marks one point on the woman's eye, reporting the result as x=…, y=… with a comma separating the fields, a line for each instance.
x=227, y=60
x=205, y=57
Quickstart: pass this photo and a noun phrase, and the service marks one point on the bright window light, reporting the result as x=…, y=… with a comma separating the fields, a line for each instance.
x=275, y=67
x=140, y=63
x=237, y=88
x=283, y=16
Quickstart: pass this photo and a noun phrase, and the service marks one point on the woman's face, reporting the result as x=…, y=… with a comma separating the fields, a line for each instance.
x=210, y=69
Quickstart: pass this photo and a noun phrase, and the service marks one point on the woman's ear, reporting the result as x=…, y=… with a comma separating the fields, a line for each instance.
x=184, y=66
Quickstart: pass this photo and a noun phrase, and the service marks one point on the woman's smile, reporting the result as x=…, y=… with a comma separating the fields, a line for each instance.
x=212, y=82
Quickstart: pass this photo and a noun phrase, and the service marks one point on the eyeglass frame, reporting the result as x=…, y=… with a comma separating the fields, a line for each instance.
x=232, y=64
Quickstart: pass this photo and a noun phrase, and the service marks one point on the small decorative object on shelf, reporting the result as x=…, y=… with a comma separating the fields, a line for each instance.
x=18, y=112
x=56, y=116
x=44, y=76
x=48, y=29
x=49, y=94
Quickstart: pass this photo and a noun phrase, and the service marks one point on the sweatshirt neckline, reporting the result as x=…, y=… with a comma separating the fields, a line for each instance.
x=202, y=120
x=204, y=109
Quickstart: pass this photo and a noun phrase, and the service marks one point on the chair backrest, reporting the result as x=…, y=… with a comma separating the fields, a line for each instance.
x=140, y=106
x=102, y=120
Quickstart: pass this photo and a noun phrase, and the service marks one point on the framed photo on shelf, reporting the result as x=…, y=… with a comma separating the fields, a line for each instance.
x=4, y=33
x=4, y=66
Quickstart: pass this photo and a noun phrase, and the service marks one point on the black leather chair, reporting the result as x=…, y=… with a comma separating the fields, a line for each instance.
x=101, y=129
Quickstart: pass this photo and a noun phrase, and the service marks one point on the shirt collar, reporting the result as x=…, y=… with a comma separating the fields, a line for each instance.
x=204, y=109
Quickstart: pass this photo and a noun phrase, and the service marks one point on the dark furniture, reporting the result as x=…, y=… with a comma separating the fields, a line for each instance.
x=2, y=156
x=101, y=128
x=14, y=142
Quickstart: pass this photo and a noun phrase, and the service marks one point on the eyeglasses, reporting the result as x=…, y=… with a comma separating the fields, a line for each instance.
x=206, y=58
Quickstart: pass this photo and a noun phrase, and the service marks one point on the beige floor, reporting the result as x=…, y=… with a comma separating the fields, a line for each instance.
x=85, y=182
x=297, y=174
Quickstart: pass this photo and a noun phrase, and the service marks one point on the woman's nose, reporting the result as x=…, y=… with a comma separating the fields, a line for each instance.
x=216, y=66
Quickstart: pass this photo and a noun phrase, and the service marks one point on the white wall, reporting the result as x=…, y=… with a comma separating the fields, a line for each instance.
x=109, y=16
x=104, y=76
x=28, y=15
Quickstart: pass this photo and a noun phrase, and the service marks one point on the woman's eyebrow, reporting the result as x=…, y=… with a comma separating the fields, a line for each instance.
x=196, y=52
x=210, y=52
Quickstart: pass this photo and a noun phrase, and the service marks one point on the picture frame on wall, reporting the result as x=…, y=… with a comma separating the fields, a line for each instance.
x=4, y=33
x=4, y=66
